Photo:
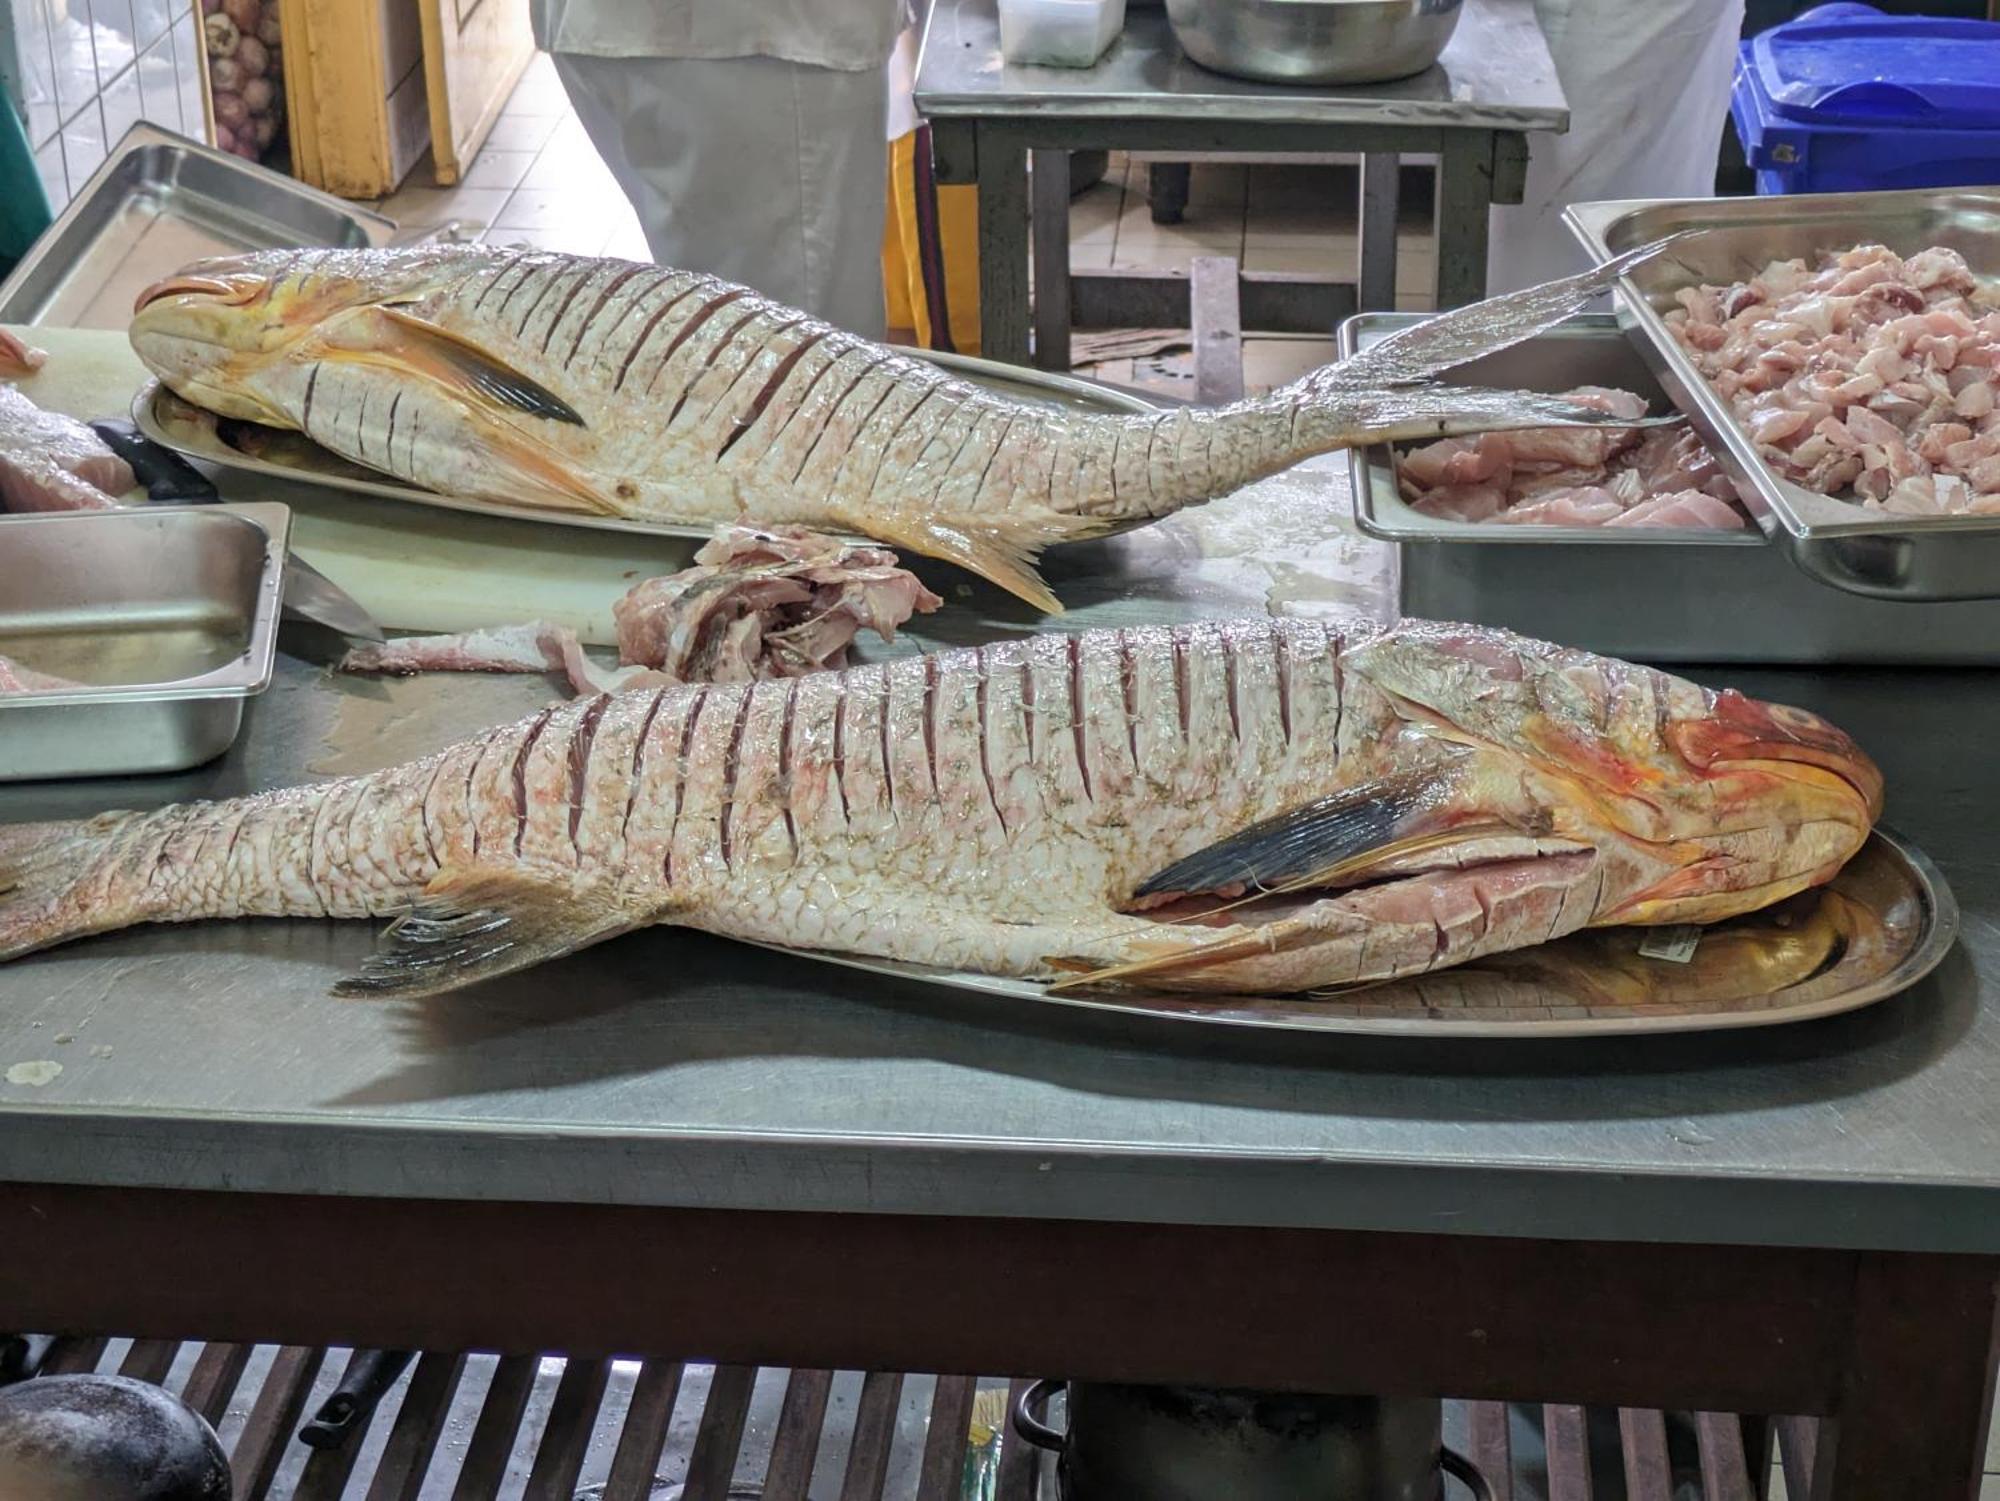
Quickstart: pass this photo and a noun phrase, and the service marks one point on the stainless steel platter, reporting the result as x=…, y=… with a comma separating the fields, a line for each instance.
x=1730, y=239
x=169, y=615
x=159, y=201
x=292, y=456
x=1654, y=595
x=1879, y=927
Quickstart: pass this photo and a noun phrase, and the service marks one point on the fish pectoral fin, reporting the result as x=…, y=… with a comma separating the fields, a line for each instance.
x=1323, y=842
x=1002, y=551
x=478, y=923
x=1175, y=961
x=424, y=350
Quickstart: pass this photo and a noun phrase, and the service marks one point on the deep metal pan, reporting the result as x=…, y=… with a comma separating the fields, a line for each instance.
x=1730, y=239
x=159, y=201
x=1653, y=595
x=165, y=618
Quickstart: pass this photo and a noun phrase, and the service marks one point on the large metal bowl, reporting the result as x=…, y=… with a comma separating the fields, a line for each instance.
x=1315, y=41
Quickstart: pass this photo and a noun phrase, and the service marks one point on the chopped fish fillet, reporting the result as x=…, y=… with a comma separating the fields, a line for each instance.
x=1869, y=377
x=14, y=678
x=49, y=462
x=1652, y=477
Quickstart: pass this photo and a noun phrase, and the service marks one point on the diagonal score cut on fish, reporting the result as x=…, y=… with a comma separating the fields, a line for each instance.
x=1254, y=806
x=613, y=388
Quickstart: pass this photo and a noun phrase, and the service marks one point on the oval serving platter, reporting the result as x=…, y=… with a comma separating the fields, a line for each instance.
x=1876, y=929
x=292, y=456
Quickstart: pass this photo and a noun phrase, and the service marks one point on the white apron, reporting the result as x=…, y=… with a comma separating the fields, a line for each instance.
x=1648, y=84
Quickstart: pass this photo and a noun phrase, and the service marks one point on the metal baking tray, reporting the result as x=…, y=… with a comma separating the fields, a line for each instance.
x=159, y=201
x=293, y=456
x=1653, y=595
x=1876, y=929
x=169, y=613
x=1729, y=239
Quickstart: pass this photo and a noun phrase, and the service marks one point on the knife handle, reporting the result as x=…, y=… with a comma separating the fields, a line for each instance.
x=167, y=476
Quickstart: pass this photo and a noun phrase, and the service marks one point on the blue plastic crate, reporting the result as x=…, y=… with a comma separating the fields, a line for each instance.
x=1845, y=98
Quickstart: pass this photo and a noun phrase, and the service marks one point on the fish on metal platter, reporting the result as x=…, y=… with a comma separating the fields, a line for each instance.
x=612, y=388
x=1263, y=805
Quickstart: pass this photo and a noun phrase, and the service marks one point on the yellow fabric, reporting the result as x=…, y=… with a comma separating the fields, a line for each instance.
x=902, y=261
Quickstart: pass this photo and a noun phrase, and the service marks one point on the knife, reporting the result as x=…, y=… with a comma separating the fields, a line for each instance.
x=170, y=480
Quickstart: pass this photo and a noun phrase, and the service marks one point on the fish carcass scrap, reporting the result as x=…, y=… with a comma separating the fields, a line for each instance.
x=1088, y=810
x=19, y=358
x=15, y=678
x=1869, y=373
x=49, y=462
x=611, y=388
x=1658, y=477
x=756, y=604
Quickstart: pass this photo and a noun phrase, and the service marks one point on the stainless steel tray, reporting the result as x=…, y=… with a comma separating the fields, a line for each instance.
x=299, y=458
x=159, y=201
x=1867, y=552
x=1879, y=927
x=1658, y=596
x=170, y=614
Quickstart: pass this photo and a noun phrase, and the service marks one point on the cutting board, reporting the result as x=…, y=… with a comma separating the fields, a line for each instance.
x=413, y=567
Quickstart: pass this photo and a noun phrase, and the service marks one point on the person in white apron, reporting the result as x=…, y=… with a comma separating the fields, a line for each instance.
x=1648, y=86
x=749, y=135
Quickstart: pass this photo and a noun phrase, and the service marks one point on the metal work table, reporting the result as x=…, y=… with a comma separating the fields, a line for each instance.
x=763, y=1158
x=1495, y=83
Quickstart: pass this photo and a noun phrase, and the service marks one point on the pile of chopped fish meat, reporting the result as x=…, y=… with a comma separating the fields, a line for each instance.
x=757, y=604
x=1601, y=476
x=1871, y=374
x=18, y=357
x=49, y=462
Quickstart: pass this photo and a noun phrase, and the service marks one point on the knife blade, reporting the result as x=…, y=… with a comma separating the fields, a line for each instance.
x=171, y=480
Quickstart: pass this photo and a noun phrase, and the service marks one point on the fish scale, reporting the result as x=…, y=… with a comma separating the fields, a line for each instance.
x=1016, y=807
x=613, y=388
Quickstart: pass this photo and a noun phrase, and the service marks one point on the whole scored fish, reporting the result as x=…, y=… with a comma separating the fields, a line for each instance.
x=619, y=389
x=1049, y=807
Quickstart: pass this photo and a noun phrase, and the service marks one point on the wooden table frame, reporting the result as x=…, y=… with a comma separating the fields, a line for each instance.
x=1897, y=1350
x=1477, y=167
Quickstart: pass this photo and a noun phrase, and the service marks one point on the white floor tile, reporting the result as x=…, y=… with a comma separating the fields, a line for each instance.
x=1321, y=255
x=1272, y=361
x=423, y=207
x=521, y=132
x=494, y=168
x=571, y=239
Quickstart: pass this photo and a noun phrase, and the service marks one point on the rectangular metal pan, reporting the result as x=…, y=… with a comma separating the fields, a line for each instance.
x=1657, y=596
x=169, y=614
x=1867, y=552
x=159, y=201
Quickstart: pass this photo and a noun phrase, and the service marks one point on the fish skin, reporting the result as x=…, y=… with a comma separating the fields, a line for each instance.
x=998, y=809
x=698, y=401
x=49, y=462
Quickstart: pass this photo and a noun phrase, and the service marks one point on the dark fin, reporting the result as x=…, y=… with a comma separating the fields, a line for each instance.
x=474, y=924
x=1320, y=842
x=40, y=864
x=407, y=342
x=1002, y=551
x=1452, y=338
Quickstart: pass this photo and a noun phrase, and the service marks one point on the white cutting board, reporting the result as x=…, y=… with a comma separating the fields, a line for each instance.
x=413, y=567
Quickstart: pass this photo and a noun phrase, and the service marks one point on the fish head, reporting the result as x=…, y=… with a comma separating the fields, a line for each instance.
x=1696, y=804
x=213, y=328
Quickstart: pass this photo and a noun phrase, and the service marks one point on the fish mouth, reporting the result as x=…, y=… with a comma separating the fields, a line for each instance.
x=1745, y=732
x=223, y=291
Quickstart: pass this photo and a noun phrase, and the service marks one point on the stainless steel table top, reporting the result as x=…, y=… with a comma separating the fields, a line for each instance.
x=669, y=1068
x=1496, y=74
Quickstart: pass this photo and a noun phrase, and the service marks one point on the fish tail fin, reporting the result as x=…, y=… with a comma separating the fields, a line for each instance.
x=1001, y=547
x=43, y=869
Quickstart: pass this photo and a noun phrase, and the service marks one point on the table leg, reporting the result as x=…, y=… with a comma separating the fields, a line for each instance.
x=1167, y=190
x=1464, y=194
x=1003, y=249
x=1048, y=182
x=1916, y=1387
x=1376, y=280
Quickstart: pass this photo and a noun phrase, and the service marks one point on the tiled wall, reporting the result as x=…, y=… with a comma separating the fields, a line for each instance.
x=82, y=72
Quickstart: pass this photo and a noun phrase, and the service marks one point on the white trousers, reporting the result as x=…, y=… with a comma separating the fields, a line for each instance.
x=765, y=172
x=1648, y=84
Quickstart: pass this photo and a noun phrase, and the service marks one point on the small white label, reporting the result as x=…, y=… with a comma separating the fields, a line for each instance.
x=1676, y=945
